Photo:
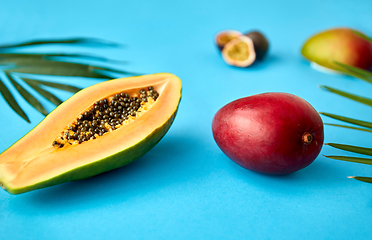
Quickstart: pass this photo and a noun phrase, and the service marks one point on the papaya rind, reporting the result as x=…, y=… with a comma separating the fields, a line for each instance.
x=110, y=163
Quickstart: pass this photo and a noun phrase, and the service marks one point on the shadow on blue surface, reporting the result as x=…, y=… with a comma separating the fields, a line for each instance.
x=322, y=174
x=268, y=61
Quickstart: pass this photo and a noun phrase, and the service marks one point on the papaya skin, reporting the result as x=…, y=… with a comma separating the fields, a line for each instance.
x=271, y=133
x=110, y=163
x=31, y=169
x=339, y=44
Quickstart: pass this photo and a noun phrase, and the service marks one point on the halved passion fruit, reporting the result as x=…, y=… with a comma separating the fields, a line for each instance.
x=223, y=37
x=100, y=128
x=239, y=52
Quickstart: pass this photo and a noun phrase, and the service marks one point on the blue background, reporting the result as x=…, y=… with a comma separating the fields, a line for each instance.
x=185, y=187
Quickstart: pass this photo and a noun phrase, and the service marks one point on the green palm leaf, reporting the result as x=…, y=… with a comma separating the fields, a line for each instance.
x=350, y=148
x=65, y=87
x=57, y=69
x=354, y=71
x=362, y=35
x=349, y=127
x=363, y=179
x=354, y=97
x=112, y=70
x=28, y=97
x=366, y=76
x=348, y=120
x=22, y=57
x=11, y=101
x=54, y=64
x=352, y=159
x=51, y=97
x=63, y=41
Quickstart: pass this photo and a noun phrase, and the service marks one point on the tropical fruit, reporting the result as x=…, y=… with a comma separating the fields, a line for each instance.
x=225, y=36
x=260, y=43
x=102, y=127
x=239, y=52
x=272, y=133
x=342, y=45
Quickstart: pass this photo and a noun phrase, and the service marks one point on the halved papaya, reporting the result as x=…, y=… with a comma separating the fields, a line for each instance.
x=65, y=146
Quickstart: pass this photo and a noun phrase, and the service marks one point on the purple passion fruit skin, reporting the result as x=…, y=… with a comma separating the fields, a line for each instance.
x=260, y=42
x=339, y=44
x=271, y=133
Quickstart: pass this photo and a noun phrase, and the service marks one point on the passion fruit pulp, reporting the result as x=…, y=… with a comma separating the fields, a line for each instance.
x=239, y=52
x=223, y=37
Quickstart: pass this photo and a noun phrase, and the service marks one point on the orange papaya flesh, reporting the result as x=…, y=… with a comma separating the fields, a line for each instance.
x=33, y=162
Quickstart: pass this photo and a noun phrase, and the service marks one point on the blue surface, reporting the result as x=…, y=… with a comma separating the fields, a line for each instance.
x=186, y=188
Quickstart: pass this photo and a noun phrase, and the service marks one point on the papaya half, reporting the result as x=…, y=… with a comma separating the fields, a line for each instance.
x=100, y=128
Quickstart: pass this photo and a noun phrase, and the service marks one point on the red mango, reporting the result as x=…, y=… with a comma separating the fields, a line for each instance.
x=272, y=133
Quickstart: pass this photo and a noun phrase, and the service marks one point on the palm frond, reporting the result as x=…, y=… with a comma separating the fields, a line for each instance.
x=55, y=68
x=60, y=86
x=349, y=127
x=27, y=96
x=362, y=35
x=354, y=71
x=363, y=179
x=350, y=148
x=62, y=41
x=52, y=64
x=352, y=159
x=348, y=120
x=12, y=102
x=367, y=126
x=364, y=100
x=16, y=57
x=49, y=96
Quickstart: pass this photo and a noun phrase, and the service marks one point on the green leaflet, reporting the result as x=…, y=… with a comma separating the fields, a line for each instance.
x=350, y=148
x=362, y=35
x=363, y=179
x=345, y=126
x=349, y=120
x=366, y=76
x=12, y=102
x=19, y=57
x=45, y=67
x=352, y=159
x=28, y=97
x=55, y=64
x=39, y=64
x=63, y=41
x=354, y=71
x=354, y=97
x=51, y=97
x=48, y=67
x=115, y=70
x=64, y=87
